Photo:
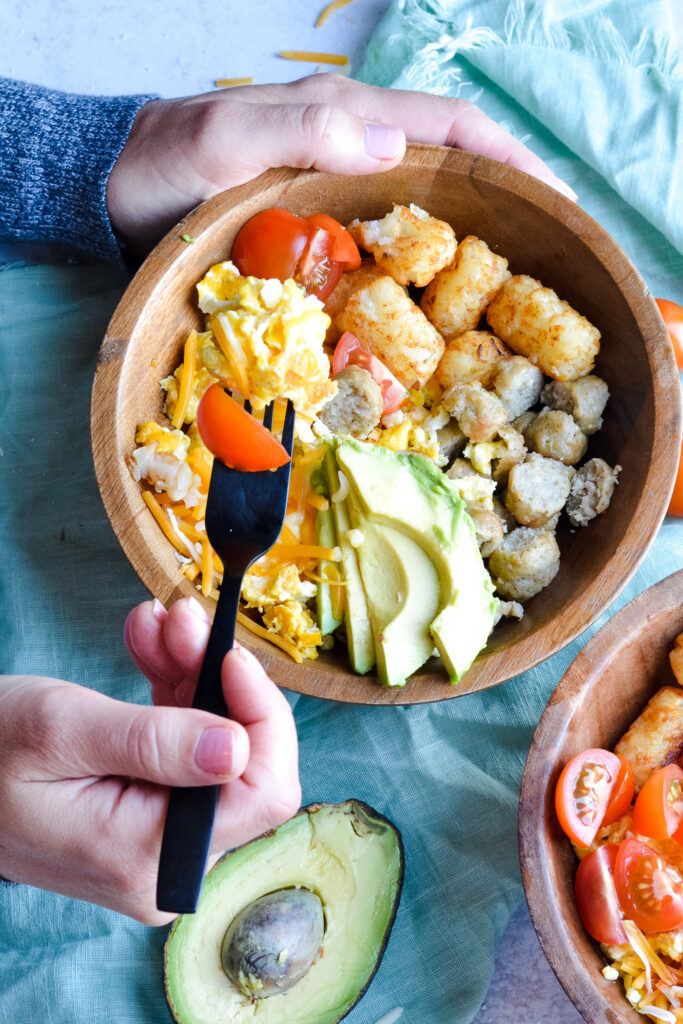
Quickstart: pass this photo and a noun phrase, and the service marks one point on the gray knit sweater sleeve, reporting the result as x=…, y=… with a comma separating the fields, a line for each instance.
x=56, y=153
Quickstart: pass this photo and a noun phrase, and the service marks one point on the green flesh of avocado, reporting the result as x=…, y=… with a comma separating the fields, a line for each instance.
x=350, y=857
x=356, y=616
x=410, y=495
x=326, y=532
x=403, y=593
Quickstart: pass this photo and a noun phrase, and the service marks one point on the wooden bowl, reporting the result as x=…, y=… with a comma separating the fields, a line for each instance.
x=603, y=691
x=542, y=234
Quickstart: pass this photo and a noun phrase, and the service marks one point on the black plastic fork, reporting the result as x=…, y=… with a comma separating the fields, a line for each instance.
x=244, y=516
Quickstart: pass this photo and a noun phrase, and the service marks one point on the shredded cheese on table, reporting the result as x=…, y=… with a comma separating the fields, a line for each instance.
x=314, y=57
x=336, y=5
x=230, y=83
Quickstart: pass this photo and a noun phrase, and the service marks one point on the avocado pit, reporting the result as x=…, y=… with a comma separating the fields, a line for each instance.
x=272, y=942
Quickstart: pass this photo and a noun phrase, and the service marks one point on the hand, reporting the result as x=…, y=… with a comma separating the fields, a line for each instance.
x=180, y=152
x=83, y=778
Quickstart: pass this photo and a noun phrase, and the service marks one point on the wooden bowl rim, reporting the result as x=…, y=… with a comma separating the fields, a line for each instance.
x=495, y=668
x=602, y=649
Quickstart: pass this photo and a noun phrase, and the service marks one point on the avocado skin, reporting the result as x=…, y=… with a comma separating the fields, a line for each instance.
x=367, y=818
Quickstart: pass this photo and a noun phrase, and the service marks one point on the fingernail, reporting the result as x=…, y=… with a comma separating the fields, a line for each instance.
x=214, y=752
x=197, y=610
x=158, y=610
x=383, y=141
x=249, y=660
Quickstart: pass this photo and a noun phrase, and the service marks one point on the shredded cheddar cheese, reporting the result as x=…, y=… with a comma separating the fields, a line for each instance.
x=261, y=631
x=186, y=381
x=230, y=83
x=314, y=57
x=207, y=567
x=336, y=5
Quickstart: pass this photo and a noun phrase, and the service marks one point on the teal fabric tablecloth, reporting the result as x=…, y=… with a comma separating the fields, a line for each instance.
x=447, y=774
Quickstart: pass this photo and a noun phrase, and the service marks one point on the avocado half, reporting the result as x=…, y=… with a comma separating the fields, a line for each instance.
x=349, y=856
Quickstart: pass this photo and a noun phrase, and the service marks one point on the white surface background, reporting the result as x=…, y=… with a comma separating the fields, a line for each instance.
x=176, y=48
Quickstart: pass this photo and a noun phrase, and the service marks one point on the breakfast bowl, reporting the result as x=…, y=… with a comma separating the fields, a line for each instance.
x=542, y=234
x=602, y=693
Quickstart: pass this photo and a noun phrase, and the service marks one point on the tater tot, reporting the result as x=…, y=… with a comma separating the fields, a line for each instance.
x=349, y=283
x=676, y=658
x=474, y=355
x=537, y=324
x=655, y=739
x=387, y=322
x=458, y=296
x=407, y=244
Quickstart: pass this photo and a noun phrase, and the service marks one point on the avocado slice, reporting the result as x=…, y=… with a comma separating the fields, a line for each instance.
x=351, y=858
x=411, y=495
x=403, y=592
x=327, y=538
x=359, y=637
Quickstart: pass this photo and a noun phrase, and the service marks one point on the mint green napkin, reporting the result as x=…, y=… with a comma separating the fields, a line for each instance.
x=447, y=774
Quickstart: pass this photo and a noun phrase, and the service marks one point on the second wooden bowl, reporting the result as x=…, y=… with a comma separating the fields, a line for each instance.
x=542, y=234
x=602, y=693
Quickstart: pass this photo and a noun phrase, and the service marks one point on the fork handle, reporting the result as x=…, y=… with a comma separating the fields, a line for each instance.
x=191, y=810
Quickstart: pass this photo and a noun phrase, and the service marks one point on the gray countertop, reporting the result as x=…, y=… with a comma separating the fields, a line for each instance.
x=124, y=46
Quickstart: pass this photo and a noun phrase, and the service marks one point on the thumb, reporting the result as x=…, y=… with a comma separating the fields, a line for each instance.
x=90, y=734
x=319, y=135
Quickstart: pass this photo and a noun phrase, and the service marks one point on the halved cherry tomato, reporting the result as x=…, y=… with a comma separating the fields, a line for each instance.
x=649, y=887
x=672, y=315
x=583, y=793
x=676, y=504
x=317, y=271
x=345, y=250
x=315, y=250
x=234, y=436
x=658, y=809
x=596, y=896
x=270, y=244
x=350, y=350
x=622, y=794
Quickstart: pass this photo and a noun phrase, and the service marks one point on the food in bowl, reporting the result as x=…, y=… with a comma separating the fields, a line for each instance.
x=497, y=429
x=623, y=812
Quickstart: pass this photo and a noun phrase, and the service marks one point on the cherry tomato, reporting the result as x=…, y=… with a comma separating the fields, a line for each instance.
x=672, y=315
x=344, y=250
x=234, y=436
x=350, y=350
x=596, y=896
x=622, y=794
x=270, y=244
x=649, y=887
x=583, y=793
x=315, y=250
x=317, y=271
x=658, y=809
x=676, y=504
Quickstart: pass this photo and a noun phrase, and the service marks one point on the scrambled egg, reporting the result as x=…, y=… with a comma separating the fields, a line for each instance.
x=293, y=621
x=162, y=460
x=259, y=591
x=271, y=336
x=414, y=429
